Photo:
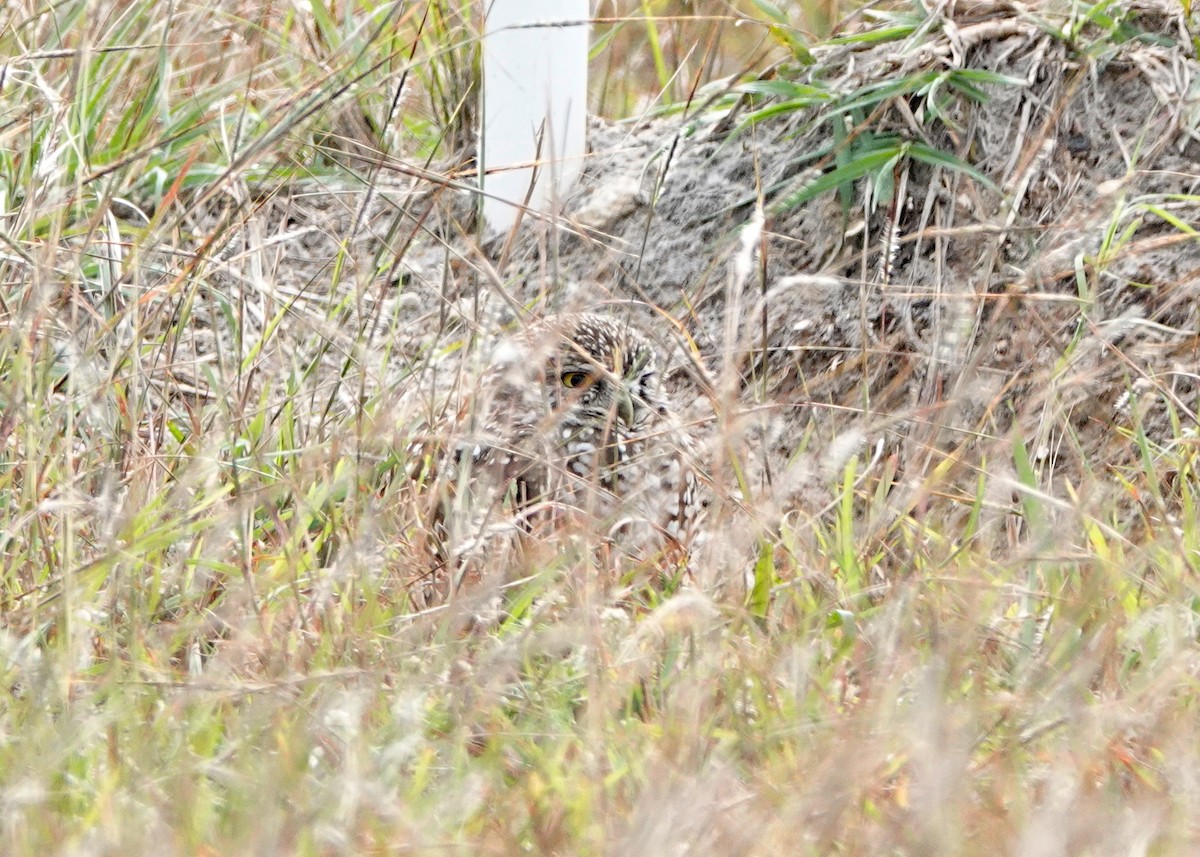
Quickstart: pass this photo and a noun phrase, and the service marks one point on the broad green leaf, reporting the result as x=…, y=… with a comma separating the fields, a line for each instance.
x=764, y=579
x=853, y=170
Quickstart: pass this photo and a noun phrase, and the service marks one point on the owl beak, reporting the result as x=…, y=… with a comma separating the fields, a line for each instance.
x=624, y=403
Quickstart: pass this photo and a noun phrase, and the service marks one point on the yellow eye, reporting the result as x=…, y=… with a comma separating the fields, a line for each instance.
x=574, y=379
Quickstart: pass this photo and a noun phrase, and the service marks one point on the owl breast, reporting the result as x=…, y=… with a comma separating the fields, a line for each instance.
x=593, y=453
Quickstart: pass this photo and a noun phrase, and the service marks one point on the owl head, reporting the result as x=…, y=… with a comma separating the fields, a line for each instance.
x=604, y=375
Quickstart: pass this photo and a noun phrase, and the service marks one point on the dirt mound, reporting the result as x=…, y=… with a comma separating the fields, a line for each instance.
x=1007, y=237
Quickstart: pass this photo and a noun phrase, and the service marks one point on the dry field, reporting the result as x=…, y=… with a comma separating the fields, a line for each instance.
x=926, y=282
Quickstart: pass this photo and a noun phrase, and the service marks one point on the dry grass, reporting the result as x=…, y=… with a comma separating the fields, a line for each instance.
x=210, y=642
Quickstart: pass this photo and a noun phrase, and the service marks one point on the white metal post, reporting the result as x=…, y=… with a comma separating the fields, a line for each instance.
x=535, y=55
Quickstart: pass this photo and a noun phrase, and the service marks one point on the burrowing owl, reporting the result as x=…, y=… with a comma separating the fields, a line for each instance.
x=570, y=422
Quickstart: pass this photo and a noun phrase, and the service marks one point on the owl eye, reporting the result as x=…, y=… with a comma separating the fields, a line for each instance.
x=575, y=379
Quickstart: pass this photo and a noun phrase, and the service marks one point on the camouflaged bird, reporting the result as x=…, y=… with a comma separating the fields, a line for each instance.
x=568, y=423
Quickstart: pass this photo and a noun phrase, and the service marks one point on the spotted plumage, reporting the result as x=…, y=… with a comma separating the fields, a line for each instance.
x=570, y=422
